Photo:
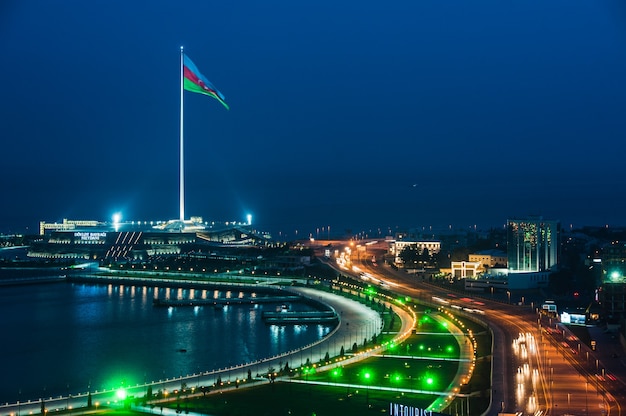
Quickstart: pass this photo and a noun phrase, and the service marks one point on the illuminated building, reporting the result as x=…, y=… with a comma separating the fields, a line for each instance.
x=489, y=258
x=532, y=244
x=397, y=246
x=614, y=263
x=532, y=251
x=465, y=269
x=612, y=293
x=66, y=225
x=140, y=240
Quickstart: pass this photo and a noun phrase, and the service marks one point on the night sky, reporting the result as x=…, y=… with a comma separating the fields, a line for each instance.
x=348, y=114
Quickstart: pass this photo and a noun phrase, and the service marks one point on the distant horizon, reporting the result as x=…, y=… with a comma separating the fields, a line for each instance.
x=322, y=231
x=367, y=199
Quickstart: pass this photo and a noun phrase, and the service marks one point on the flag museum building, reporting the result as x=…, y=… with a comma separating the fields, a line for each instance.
x=135, y=241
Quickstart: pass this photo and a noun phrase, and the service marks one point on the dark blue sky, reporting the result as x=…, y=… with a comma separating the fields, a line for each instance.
x=351, y=114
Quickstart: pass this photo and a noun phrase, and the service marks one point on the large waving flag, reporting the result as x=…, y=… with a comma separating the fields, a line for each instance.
x=194, y=81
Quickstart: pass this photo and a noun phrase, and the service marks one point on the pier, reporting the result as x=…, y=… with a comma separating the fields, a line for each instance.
x=295, y=318
x=226, y=301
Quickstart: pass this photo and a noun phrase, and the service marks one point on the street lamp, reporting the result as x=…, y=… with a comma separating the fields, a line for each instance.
x=367, y=375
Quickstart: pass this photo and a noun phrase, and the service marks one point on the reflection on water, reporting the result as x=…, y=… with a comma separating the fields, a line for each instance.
x=67, y=338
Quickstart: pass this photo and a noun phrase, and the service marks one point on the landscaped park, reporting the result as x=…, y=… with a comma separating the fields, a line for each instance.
x=423, y=359
x=442, y=366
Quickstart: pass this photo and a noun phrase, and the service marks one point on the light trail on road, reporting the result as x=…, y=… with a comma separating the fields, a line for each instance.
x=552, y=385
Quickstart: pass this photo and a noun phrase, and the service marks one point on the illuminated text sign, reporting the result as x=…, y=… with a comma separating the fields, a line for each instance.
x=396, y=409
x=90, y=236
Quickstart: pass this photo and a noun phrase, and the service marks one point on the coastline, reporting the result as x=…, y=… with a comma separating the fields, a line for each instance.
x=228, y=286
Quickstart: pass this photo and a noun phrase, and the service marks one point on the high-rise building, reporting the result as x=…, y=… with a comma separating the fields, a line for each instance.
x=614, y=262
x=612, y=293
x=532, y=244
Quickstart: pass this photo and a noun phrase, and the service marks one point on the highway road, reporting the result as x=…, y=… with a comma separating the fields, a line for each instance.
x=533, y=371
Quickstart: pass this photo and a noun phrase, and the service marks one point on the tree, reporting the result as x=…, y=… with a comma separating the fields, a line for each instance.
x=424, y=258
x=342, y=352
x=249, y=375
x=410, y=255
x=327, y=357
x=355, y=347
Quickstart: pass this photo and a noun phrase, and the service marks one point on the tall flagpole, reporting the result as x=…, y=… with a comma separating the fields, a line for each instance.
x=182, y=170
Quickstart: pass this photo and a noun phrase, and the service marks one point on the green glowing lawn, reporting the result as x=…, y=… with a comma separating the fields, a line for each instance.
x=420, y=363
x=393, y=373
x=287, y=398
x=298, y=399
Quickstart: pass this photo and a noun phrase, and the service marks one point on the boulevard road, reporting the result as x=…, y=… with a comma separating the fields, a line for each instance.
x=530, y=373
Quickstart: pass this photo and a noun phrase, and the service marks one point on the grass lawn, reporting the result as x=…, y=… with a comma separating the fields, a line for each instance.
x=299, y=399
x=392, y=372
x=425, y=361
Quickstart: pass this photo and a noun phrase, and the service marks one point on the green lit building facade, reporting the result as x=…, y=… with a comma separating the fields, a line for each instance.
x=532, y=245
x=612, y=293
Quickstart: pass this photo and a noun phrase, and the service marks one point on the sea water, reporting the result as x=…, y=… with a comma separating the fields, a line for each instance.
x=69, y=338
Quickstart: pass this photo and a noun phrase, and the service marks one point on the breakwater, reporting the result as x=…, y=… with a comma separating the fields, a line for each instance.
x=299, y=318
x=220, y=301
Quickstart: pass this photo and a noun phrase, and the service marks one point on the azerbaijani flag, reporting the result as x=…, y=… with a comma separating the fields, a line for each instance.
x=194, y=81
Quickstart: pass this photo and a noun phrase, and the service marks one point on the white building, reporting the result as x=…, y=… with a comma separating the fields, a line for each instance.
x=489, y=258
x=397, y=246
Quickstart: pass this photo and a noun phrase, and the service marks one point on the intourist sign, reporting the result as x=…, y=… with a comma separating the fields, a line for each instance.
x=397, y=409
x=90, y=236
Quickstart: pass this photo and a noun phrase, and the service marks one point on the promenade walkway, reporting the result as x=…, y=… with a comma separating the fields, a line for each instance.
x=357, y=322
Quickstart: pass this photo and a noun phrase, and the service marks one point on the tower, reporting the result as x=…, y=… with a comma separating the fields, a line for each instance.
x=532, y=244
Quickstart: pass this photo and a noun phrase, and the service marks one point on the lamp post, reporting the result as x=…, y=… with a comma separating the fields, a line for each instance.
x=367, y=376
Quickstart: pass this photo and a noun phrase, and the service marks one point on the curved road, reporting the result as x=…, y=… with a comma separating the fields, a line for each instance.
x=543, y=378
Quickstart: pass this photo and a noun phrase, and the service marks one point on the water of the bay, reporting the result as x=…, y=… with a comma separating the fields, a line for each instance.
x=62, y=338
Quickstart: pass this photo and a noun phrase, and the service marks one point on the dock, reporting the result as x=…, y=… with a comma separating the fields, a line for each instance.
x=296, y=318
x=246, y=300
